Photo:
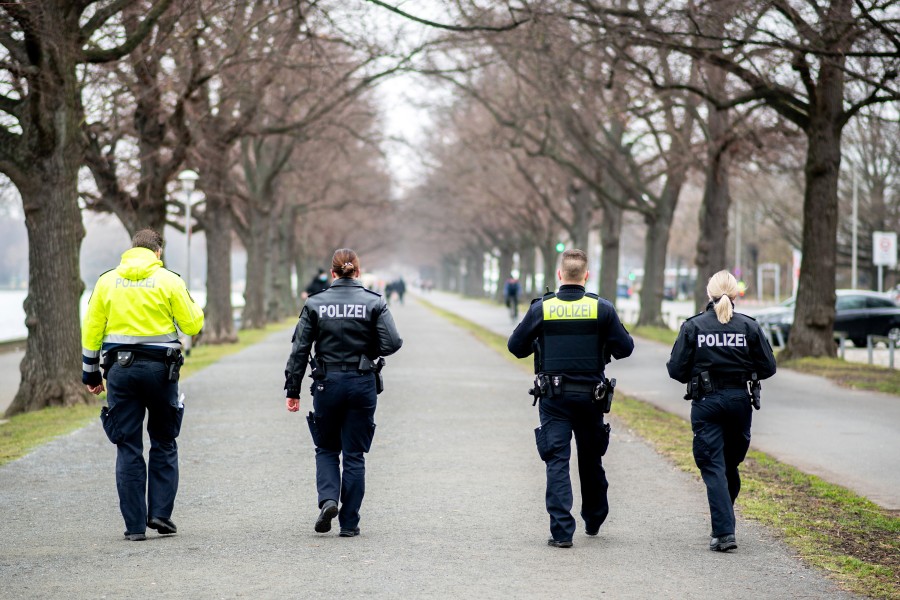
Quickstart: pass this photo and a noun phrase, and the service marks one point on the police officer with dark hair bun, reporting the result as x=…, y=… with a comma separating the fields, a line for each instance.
x=572, y=334
x=719, y=353
x=351, y=329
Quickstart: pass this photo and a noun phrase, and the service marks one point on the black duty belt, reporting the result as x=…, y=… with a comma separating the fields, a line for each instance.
x=724, y=383
x=340, y=366
x=139, y=354
x=568, y=386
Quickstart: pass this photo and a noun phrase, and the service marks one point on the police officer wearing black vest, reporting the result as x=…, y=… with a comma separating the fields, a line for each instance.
x=721, y=355
x=572, y=334
x=351, y=328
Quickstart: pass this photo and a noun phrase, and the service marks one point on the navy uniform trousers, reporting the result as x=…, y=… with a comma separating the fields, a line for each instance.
x=721, y=424
x=344, y=406
x=133, y=391
x=561, y=416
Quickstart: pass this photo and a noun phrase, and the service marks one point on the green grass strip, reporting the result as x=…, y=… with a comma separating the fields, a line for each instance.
x=855, y=541
x=22, y=433
x=858, y=376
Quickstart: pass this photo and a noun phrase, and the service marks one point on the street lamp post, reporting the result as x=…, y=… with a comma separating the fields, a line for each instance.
x=188, y=179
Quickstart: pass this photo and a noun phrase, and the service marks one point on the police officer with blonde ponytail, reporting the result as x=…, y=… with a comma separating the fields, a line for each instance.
x=719, y=353
x=351, y=329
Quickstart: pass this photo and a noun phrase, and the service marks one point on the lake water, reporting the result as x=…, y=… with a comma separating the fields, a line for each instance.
x=12, y=315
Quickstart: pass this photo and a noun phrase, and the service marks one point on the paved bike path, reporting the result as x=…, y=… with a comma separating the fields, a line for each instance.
x=454, y=505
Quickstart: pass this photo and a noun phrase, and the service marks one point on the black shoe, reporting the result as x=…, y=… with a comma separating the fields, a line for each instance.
x=591, y=531
x=349, y=532
x=329, y=511
x=723, y=543
x=135, y=537
x=162, y=525
x=559, y=544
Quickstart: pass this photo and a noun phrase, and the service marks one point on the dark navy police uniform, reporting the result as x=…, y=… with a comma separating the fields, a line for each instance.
x=345, y=322
x=730, y=353
x=572, y=334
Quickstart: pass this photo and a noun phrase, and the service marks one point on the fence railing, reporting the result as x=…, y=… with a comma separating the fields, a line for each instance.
x=891, y=344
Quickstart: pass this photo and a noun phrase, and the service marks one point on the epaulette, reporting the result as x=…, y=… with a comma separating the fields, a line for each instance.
x=745, y=315
x=695, y=316
x=372, y=292
x=592, y=295
x=317, y=293
x=171, y=271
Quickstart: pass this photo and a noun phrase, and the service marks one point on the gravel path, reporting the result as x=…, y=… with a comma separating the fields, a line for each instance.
x=454, y=504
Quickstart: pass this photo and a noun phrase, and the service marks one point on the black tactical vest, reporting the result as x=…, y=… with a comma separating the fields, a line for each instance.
x=570, y=339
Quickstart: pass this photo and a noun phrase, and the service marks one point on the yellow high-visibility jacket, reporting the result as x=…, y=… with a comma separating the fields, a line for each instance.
x=137, y=303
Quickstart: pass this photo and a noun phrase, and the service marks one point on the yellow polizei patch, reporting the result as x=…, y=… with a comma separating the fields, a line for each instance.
x=556, y=309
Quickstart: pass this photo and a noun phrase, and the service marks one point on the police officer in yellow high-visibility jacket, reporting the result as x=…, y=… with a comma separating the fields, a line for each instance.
x=572, y=334
x=130, y=330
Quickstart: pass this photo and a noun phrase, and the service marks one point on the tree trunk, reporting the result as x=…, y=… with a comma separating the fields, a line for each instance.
x=526, y=275
x=655, y=247
x=474, y=283
x=51, y=368
x=219, y=312
x=812, y=330
x=550, y=256
x=610, y=242
x=43, y=164
x=582, y=214
x=283, y=302
x=505, y=266
x=258, y=245
x=713, y=239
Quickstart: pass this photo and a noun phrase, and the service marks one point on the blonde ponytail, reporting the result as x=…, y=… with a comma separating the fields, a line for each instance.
x=722, y=289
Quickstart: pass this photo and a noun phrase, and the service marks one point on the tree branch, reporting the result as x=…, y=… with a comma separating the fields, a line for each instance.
x=459, y=28
x=143, y=30
x=102, y=16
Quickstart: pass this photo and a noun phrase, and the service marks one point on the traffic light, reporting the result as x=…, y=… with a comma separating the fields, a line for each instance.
x=560, y=247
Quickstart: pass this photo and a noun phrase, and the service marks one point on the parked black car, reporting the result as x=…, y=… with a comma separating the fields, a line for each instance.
x=857, y=314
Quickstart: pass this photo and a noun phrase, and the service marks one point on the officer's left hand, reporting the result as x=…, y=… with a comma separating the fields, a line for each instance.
x=293, y=404
x=95, y=389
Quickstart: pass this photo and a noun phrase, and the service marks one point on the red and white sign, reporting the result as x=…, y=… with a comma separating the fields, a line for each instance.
x=884, y=248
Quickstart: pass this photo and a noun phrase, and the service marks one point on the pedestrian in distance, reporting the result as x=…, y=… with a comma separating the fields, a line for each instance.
x=718, y=353
x=400, y=288
x=511, y=290
x=130, y=332
x=316, y=284
x=572, y=334
x=351, y=329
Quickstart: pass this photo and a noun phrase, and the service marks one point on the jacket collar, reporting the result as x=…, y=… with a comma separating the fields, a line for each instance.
x=346, y=282
x=571, y=287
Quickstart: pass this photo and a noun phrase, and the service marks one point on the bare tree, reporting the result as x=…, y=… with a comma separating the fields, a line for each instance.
x=817, y=65
x=41, y=150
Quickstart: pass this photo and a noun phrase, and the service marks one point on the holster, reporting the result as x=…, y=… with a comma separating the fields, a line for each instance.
x=693, y=389
x=604, y=392
x=174, y=360
x=541, y=389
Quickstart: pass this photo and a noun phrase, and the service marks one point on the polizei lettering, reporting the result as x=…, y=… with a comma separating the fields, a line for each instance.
x=730, y=340
x=570, y=311
x=343, y=311
x=150, y=282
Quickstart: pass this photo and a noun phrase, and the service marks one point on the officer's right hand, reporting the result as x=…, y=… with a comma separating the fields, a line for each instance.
x=293, y=404
x=95, y=389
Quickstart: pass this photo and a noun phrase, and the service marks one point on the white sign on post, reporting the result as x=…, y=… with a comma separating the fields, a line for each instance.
x=884, y=248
